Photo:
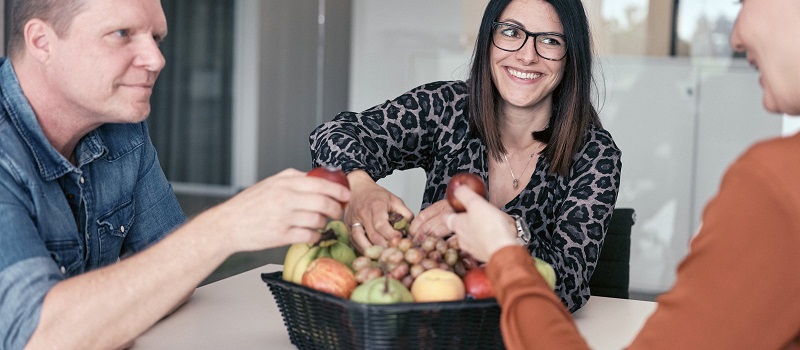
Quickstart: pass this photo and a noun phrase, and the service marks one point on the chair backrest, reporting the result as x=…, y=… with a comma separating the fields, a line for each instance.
x=612, y=275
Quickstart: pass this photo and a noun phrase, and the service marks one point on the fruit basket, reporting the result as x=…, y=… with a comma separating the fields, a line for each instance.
x=317, y=320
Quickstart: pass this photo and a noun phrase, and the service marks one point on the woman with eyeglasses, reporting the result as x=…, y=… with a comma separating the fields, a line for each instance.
x=523, y=121
x=738, y=288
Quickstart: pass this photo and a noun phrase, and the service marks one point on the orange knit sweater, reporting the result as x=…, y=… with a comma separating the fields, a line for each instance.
x=739, y=287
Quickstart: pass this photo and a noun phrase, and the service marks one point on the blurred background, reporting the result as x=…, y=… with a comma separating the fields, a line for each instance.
x=246, y=81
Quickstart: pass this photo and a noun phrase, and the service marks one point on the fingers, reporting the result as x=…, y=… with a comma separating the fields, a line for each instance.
x=483, y=228
x=375, y=230
x=286, y=208
x=396, y=205
x=323, y=187
x=358, y=238
x=298, y=235
x=379, y=230
x=431, y=222
x=469, y=198
x=449, y=221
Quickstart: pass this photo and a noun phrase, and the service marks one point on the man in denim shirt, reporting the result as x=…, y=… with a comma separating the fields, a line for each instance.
x=81, y=186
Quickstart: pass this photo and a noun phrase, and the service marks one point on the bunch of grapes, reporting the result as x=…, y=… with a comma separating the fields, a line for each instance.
x=404, y=260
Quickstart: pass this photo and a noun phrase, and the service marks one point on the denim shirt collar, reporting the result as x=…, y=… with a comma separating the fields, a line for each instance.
x=49, y=162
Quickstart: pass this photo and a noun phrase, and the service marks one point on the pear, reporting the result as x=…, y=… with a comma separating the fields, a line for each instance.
x=324, y=253
x=341, y=230
x=385, y=290
x=546, y=270
x=342, y=253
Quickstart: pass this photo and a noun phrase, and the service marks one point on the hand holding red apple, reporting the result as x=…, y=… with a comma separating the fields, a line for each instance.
x=331, y=174
x=463, y=179
x=484, y=228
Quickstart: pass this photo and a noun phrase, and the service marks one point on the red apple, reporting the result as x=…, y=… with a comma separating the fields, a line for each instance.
x=330, y=276
x=472, y=181
x=331, y=174
x=477, y=283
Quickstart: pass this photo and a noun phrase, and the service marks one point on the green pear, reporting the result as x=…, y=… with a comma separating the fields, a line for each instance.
x=341, y=230
x=546, y=270
x=342, y=252
x=324, y=252
x=382, y=291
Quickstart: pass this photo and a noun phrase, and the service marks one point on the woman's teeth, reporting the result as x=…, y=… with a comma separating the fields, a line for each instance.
x=522, y=75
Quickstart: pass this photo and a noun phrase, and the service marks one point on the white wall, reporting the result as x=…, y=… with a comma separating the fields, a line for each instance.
x=679, y=122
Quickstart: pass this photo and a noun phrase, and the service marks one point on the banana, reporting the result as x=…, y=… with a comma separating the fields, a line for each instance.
x=302, y=263
x=300, y=255
x=295, y=252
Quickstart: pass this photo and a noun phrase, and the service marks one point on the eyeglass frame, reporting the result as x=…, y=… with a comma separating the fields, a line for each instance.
x=525, y=41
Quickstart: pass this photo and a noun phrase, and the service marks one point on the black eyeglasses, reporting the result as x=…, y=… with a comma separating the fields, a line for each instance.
x=511, y=37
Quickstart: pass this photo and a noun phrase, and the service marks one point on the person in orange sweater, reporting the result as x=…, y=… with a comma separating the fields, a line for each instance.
x=739, y=287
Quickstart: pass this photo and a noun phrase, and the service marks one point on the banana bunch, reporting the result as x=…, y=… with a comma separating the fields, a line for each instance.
x=335, y=243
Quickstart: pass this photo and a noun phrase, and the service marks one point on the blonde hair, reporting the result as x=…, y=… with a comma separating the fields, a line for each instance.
x=58, y=13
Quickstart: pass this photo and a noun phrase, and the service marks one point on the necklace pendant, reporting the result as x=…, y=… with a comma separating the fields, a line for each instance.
x=516, y=184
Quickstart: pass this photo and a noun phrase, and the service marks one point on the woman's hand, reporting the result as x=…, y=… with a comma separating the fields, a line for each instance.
x=482, y=229
x=431, y=222
x=368, y=212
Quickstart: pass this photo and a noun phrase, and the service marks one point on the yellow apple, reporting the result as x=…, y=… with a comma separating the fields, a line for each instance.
x=437, y=285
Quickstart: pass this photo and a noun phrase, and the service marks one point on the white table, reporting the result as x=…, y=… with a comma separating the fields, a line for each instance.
x=240, y=313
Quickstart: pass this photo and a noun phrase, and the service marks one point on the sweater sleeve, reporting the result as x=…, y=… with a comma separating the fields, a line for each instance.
x=399, y=134
x=738, y=287
x=532, y=316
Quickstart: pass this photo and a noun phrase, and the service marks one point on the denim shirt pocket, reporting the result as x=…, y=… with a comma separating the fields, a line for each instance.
x=67, y=254
x=112, y=227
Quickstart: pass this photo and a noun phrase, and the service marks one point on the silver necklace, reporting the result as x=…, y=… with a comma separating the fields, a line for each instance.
x=516, y=181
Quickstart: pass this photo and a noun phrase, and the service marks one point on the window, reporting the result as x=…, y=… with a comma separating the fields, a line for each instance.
x=704, y=28
x=191, y=118
x=697, y=28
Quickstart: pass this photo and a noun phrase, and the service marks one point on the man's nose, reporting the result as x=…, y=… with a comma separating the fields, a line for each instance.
x=149, y=56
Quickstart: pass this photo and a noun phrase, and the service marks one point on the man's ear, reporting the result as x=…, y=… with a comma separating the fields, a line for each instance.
x=38, y=35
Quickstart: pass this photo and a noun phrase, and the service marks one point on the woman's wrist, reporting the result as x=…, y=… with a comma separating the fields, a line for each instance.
x=507, y=238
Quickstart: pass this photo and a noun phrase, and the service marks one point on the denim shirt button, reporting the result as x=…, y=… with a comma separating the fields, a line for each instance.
x=81, y=180
x=63, y=270
x=122, y=229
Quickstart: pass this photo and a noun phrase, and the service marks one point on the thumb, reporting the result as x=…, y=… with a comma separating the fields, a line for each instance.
x=396, y=205
x=468, y=198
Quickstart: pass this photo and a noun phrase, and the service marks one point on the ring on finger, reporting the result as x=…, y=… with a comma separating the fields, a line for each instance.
x=357, y=224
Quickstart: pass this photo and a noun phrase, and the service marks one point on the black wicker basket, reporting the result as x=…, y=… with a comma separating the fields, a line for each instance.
x=317, y=320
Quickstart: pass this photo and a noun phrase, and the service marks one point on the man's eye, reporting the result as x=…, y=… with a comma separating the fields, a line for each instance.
x=123, y=33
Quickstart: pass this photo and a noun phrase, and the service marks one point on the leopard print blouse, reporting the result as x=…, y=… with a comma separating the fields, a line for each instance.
x=428, y=128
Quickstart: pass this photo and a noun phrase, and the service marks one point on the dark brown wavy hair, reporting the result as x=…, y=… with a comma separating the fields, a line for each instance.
x=573, y=111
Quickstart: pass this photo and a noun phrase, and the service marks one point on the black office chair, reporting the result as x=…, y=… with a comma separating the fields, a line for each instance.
x=612, y=275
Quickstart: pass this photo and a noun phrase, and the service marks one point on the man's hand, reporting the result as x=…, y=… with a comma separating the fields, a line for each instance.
x=286, y=208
